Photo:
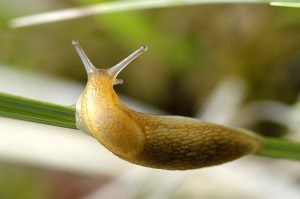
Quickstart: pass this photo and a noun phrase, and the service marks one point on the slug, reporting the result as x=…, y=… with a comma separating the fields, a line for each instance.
x=162, y=142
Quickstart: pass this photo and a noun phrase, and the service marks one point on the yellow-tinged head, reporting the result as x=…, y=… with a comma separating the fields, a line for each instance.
x=100, y=113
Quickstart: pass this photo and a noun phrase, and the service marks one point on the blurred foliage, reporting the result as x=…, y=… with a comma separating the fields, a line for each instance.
x=21, y=181
x=191, y=49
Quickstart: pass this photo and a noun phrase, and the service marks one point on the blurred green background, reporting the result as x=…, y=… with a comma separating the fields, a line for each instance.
x=191, y=48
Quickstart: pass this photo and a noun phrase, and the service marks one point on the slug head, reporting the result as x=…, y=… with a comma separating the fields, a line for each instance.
x=100, y=113
x=110, y=72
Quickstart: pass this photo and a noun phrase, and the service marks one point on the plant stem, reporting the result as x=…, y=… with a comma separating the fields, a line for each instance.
x=280, y=148
x=118, y=6
x=36, y=111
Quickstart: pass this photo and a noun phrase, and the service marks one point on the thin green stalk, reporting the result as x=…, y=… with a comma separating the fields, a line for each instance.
x=286, y=4
x=64, y=116
x=36, y=111
x=280, y=148
x=119, y=6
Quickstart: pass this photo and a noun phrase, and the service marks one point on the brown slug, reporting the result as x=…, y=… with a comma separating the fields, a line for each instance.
x=163, y=142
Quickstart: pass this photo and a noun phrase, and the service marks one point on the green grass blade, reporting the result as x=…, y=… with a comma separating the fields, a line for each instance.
x=280, y=148
x=36, y=111
x=112, y=7
x=286, y=4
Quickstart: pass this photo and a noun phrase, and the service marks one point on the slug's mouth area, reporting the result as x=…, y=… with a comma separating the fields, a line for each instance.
x=79, y=121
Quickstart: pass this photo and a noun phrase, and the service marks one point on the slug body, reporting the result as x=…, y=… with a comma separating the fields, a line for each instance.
x=164, y=142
